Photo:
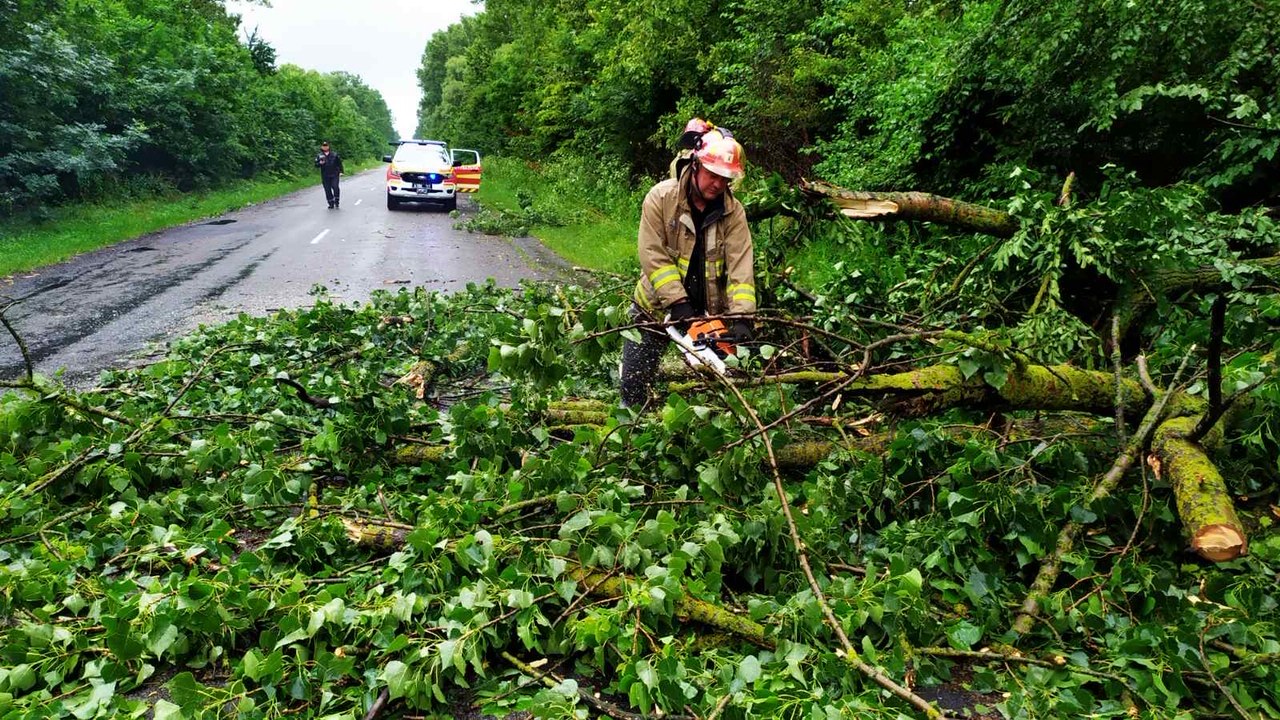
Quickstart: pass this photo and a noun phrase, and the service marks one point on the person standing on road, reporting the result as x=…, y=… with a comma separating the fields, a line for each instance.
x=695, y=259
x=330, y=164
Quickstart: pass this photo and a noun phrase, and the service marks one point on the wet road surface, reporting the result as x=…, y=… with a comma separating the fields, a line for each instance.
x=118, y=305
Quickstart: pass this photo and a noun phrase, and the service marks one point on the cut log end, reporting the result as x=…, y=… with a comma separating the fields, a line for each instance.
x=1219, y=543
x=865, y=209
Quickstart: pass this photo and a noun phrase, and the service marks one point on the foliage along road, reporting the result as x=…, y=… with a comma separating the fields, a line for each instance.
x=88, y=313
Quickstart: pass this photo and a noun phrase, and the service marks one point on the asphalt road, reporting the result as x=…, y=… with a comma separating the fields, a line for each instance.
x=118, y=305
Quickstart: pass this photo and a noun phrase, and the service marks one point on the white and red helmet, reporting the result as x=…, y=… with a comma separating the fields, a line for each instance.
x=721, y=155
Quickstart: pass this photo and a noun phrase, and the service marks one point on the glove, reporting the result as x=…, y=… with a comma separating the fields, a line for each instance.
x=742, y=331
x=680, y=314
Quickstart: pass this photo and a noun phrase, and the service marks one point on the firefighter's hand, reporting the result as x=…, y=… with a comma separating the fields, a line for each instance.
x=742, y=332
x=680, y=314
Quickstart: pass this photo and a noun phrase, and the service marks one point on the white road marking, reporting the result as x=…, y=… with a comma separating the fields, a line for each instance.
x=320, y=237
x=359, y=201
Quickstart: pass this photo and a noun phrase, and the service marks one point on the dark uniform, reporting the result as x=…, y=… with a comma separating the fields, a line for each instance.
x=330, y=164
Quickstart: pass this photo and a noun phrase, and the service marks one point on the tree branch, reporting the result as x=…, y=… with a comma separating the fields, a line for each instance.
x=1052, y=566
x=22, y=346
x=306, y=397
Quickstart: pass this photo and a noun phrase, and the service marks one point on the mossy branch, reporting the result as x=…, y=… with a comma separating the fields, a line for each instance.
x=1052, y=565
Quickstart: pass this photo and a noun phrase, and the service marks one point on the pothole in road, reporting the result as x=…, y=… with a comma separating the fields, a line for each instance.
x=142, y=249
x=219, y=222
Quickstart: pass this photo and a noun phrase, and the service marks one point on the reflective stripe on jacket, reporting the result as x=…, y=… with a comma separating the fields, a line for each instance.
x=666, y=241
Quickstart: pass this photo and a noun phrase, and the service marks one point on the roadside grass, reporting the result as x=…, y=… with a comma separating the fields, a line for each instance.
x=74, y=229
x=587, y=217
x=604, y=244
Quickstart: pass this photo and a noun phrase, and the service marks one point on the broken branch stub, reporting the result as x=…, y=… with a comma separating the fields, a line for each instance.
x=913, y=206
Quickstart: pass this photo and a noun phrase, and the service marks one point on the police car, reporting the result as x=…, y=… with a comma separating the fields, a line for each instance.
x=428, y=171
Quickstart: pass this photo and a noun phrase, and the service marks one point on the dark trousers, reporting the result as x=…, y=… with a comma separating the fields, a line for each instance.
x=640, y=361
x=330, y=188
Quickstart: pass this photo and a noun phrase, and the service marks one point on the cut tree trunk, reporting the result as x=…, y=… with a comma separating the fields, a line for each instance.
x=1204, y=505
x=381, y=534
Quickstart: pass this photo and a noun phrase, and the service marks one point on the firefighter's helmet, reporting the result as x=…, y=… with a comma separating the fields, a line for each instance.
x=693, y=132
x=721, y=155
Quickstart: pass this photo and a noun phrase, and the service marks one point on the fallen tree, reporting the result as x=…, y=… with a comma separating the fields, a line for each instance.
x=202, y=495
x=1207, y=511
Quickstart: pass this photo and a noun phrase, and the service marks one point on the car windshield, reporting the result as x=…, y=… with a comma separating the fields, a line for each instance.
x=422, y=154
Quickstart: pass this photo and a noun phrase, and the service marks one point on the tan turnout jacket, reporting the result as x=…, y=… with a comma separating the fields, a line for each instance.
x=666, y=242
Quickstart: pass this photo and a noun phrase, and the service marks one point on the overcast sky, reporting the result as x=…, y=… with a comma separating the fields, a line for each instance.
x=379, y=40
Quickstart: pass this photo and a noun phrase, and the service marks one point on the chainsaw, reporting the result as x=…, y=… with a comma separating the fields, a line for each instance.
x=705, y=345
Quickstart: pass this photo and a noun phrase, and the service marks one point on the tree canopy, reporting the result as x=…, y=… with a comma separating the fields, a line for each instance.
x=121, y=97
x=944, y=95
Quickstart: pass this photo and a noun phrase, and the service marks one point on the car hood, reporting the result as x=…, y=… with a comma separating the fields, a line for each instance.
x=423, y=167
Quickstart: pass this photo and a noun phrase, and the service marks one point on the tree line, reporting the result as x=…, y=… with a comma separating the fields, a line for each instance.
x=122, y=98
x=944, y=95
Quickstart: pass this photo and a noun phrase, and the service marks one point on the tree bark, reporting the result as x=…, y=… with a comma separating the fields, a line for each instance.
x=1027, y=387
x=1204, y=505
x=419, y=378
x=417, y=454
x=379, y=534
x=914, y=206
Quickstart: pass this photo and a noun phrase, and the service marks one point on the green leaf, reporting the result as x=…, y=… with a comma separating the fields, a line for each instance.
x=749, y=669
x=579, y=521
x=251, y=664
x=447, y=650
x=185, y=690
x=21, y=678
x=567, y=687
x=162, y=637
x=913, y=580
x=646, y=674
x=1082, y=515
x=395, y=675
x=794, y=654
x=996, y=377
x=963, y=635
x=293, y=637
x=165, y=710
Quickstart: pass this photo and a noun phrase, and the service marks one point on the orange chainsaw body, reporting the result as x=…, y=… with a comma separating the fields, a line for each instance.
x=711, y=333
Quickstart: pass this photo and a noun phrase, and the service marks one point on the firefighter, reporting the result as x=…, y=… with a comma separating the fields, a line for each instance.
x=695, y=259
